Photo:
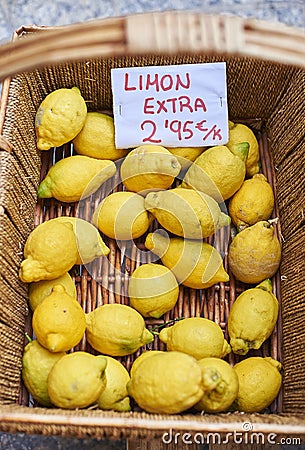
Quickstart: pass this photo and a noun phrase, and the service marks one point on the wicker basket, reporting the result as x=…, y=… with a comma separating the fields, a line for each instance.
x=266, y=85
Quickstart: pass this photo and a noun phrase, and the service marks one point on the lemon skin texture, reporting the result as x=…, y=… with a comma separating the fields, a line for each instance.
x=77, y=380
x=37, y=363
x=116, y=330
x=60, y=117
x=59, y=321
x=259, y=383
x=197, y=336
x=166, y=383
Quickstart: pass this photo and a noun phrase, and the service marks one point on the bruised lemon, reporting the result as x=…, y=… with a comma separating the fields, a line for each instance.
x=60, y=117
x=77, y=380
x=37, y=363
x=153, y=290
x=116, y=330
x=220, y=383
x=197, y=336
x=166, y=383
x=97, y=138
x=58, y=321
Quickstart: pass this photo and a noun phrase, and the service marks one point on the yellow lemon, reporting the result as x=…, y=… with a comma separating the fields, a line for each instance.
x=115, y=396
x=255, y=253
x=218, y=171
x=153, y=290
x=77, y=380
x=186, y=212
x=122, y=216
x=49, y=252
x=37, y=363
x=90, y=244
x=139, y=359
x=252, y=318
x=186, y=155
x=149, y=168
x=58, y=321
x=60, y=117
x=197, y=336
x=194, y=263
x=75, y=177
x=239, y=132
x=166, y=383
x=259, y=382
x=116, y=330
x=96, y=139
x=220, y=383
x=41, y=289
x=253, y=202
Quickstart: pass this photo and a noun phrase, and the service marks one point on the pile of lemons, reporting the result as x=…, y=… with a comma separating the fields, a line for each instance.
x=192, y=371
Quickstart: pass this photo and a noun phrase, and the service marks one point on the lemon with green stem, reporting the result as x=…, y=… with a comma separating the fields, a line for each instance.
x=75, y=178
x=239, y=132
x=116, y=330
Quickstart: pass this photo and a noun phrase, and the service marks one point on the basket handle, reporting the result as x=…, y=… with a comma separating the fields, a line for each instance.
x=165, y=32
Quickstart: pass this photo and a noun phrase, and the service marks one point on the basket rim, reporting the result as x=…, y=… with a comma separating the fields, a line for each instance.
x=284, y=424
x=160, y=32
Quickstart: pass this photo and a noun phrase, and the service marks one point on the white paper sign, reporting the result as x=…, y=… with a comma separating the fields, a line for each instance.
x=173, y=106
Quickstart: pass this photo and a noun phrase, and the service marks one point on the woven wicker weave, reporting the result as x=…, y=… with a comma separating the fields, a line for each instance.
x=266, y=85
